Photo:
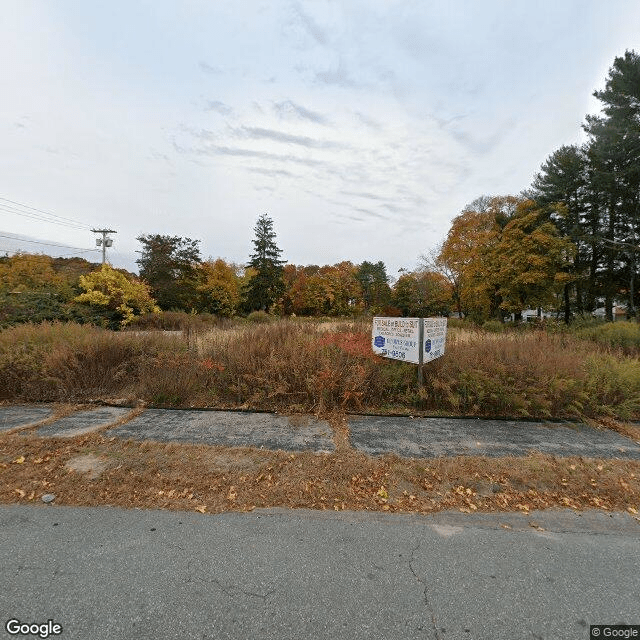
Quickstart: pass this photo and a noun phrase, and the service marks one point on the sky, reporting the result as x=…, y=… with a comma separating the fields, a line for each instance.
x=362, y=128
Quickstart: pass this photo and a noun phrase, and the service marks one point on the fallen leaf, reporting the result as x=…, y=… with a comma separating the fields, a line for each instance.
x=632, y=510
x=506, y=526
x=382, y=492
x=202, y=508
x=19, y=460
x=20, y=492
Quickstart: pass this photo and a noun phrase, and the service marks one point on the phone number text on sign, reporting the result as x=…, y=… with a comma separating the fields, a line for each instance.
x=397, y=338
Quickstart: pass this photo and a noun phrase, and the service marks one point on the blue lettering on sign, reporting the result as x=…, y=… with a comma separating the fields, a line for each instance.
x=427, y=346
x=378, y=341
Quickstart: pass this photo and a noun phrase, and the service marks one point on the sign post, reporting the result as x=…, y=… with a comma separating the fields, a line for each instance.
x=421, y=353
x=415, y=340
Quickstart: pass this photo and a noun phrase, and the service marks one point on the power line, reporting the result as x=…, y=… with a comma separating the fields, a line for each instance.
x=38, y=218
x=50, y=244
x=46, y=213
x=31, y=256
x=37, y=214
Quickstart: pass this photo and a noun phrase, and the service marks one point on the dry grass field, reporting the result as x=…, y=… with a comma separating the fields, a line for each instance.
x=301, y=366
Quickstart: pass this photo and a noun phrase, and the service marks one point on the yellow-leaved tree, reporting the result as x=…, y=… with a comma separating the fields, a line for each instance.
x=505, y=255
x=28, y=272
x=219, y=287
x=112, y=290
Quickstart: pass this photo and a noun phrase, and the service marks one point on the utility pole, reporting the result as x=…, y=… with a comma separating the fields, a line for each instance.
x=104, y=241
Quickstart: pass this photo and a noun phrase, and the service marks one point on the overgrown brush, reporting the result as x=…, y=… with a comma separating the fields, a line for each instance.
x=622, y=334
x=290, y=365
x=177, y=321
x=69, y=362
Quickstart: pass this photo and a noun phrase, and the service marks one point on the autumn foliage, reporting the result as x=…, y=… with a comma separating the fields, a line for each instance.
x=295, y=365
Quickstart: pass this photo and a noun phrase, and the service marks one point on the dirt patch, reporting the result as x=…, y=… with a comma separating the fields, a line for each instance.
x=89, y=465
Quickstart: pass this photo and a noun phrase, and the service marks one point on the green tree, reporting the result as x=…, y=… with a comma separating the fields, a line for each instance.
x=422, y=293
x=267, y=285
x=169, y=265
x=24, y=272
x=614, y=154
x=562, y=187
x=374, y=281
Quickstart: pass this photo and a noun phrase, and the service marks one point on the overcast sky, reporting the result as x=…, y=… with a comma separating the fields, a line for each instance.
x=361, y=127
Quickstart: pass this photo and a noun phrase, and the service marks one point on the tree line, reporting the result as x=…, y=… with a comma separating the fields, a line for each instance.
x=570, y=241
x=173, y=276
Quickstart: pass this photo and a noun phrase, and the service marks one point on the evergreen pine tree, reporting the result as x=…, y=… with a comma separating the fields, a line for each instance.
x=267, y=285
x=561, y=187
x=614, y=153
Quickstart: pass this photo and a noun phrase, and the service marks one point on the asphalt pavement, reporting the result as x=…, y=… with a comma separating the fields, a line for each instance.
x=106, y=573
x=374, y=435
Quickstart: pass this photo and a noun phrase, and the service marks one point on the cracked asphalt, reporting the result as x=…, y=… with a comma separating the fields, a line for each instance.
x=118, y=574
x=374, y=435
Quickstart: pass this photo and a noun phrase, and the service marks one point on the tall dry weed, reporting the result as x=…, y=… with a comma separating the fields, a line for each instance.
x=290, y=365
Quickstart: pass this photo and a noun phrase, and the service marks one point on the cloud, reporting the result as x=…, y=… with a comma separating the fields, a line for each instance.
x=239, y=152
x=368, y=212
x=394, y=208
x=288, y=106
x=207, y=68
x=310, y=25
x=477, y=145
x=218, y=107
x=272, y=172
x=363, y=194
x=258, y=133
x=369, y=122
x=201, y=134
x=344, y=216
x=338, y=76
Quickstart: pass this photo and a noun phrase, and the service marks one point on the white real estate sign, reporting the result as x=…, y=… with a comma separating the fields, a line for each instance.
x=397, y=338
x=434, y=337
x=416, y=340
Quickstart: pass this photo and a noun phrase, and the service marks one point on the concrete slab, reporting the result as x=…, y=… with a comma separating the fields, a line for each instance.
x=434, y=437
x=230, y=429
x=22, y=415
x=82, y=422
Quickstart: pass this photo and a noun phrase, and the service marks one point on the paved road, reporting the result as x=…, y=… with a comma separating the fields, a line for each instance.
x=409, y=437
x=105, y=573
